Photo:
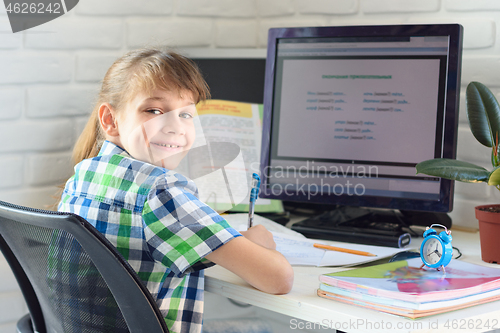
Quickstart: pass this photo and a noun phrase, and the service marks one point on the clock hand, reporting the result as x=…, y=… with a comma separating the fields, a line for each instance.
x=436, y=252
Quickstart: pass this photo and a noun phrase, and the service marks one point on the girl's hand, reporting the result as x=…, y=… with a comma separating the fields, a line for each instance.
x=261, y=236
x=254, y=258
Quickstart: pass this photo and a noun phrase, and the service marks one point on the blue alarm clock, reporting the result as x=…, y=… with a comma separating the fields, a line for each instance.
x=436, y=250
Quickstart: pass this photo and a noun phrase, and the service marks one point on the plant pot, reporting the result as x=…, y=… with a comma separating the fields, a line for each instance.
x=489, y=233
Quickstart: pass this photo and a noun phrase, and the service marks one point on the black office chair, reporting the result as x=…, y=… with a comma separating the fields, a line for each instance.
x=72, y=278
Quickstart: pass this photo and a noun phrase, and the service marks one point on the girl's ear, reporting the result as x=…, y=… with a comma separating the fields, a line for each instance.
x=107, y=119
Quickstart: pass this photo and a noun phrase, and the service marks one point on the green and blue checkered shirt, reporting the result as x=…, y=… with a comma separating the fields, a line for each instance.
x=154, y=218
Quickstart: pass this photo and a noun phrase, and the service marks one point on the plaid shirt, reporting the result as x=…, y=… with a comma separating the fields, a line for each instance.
x=154, y=218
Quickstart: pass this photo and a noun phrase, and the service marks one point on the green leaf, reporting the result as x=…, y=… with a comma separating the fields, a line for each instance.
x=453, y=169
x=494, y=177
x=483, y=112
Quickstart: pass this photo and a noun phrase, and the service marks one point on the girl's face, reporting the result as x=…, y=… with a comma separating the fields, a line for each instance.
x=157, y=128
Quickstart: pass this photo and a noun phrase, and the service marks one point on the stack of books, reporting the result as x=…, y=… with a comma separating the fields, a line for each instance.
x=405, y=289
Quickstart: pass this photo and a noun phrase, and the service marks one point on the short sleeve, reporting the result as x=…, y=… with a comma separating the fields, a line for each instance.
x=180, y=230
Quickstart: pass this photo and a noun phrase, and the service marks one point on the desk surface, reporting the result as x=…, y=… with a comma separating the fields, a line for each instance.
x=303, y=303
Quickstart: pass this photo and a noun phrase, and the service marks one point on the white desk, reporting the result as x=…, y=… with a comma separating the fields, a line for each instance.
x=303, y=303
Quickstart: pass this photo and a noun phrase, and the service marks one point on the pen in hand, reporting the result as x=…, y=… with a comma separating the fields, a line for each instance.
x=254, y=193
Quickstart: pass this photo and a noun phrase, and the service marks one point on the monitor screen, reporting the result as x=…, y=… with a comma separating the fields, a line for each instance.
x=350, y=111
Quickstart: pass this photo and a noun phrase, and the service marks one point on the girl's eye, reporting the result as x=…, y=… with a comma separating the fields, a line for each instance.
x=154, y=111
x=186, y=115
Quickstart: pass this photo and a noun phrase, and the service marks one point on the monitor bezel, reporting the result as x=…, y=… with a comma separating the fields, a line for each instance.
x=455, y=33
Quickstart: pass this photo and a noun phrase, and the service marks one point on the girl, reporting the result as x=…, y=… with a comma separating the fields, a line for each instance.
x=124, y=185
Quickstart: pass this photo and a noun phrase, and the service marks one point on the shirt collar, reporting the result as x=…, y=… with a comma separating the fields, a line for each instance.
x=109, y=148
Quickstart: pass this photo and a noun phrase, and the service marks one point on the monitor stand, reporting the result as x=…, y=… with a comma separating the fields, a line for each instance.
x=381, y=227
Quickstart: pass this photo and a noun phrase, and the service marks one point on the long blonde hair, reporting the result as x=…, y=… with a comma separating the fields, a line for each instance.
x=140, y=70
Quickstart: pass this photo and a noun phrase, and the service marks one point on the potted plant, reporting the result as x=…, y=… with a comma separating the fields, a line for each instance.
x=483, y=112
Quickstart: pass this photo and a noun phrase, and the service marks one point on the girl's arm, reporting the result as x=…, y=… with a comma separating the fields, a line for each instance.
x=254, y=258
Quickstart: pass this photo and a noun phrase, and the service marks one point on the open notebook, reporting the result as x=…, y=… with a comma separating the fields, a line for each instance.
x=300, y=251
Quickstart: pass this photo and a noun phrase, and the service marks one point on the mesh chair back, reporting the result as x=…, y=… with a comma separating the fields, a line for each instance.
x=78, y=279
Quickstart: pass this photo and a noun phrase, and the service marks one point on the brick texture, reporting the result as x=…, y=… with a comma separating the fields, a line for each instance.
x=399, y=6
x=471, y=5
x=33, y=68
x=479, y=33
x=12, y=171
x=236, y=34
x=48, y=168
x=482, y=68
x=124, y=7
x=173, y=32
x=78, y=33
x=217, y=8
x=93, y=67
x=327, y=6
x=275, y=8
x=42, y=197
x=59, y=101
x=26, y=136
x=12, y=101
x=8, y=40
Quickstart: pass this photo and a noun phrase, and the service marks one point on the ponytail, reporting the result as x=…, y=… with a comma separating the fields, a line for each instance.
x=90, y=141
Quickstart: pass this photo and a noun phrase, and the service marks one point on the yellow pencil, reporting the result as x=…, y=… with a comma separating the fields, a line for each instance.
x=339, y=249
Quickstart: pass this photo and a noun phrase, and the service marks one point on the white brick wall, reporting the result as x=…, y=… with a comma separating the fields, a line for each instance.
x=327, y=6
x=111, y=8
x=8, y=40
x=275, y=8
x=242, y=34
x=197, y=32
x=36, y=135
x=471, y=5
x=72, y=33
x=399, y=6
x=48, y=76
x=48, y=168
x=217, y=8
x=28, y=67
x=12, y=167
x=91, y=67
x=46, y=101
x=12, y=103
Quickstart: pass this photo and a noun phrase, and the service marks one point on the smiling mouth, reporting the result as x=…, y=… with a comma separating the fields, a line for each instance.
x=165, y=145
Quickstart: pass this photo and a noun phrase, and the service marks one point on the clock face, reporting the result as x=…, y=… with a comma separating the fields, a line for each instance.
x=432, y=251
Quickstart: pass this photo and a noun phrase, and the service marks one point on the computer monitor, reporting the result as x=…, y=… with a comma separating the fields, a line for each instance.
x=350, y=110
